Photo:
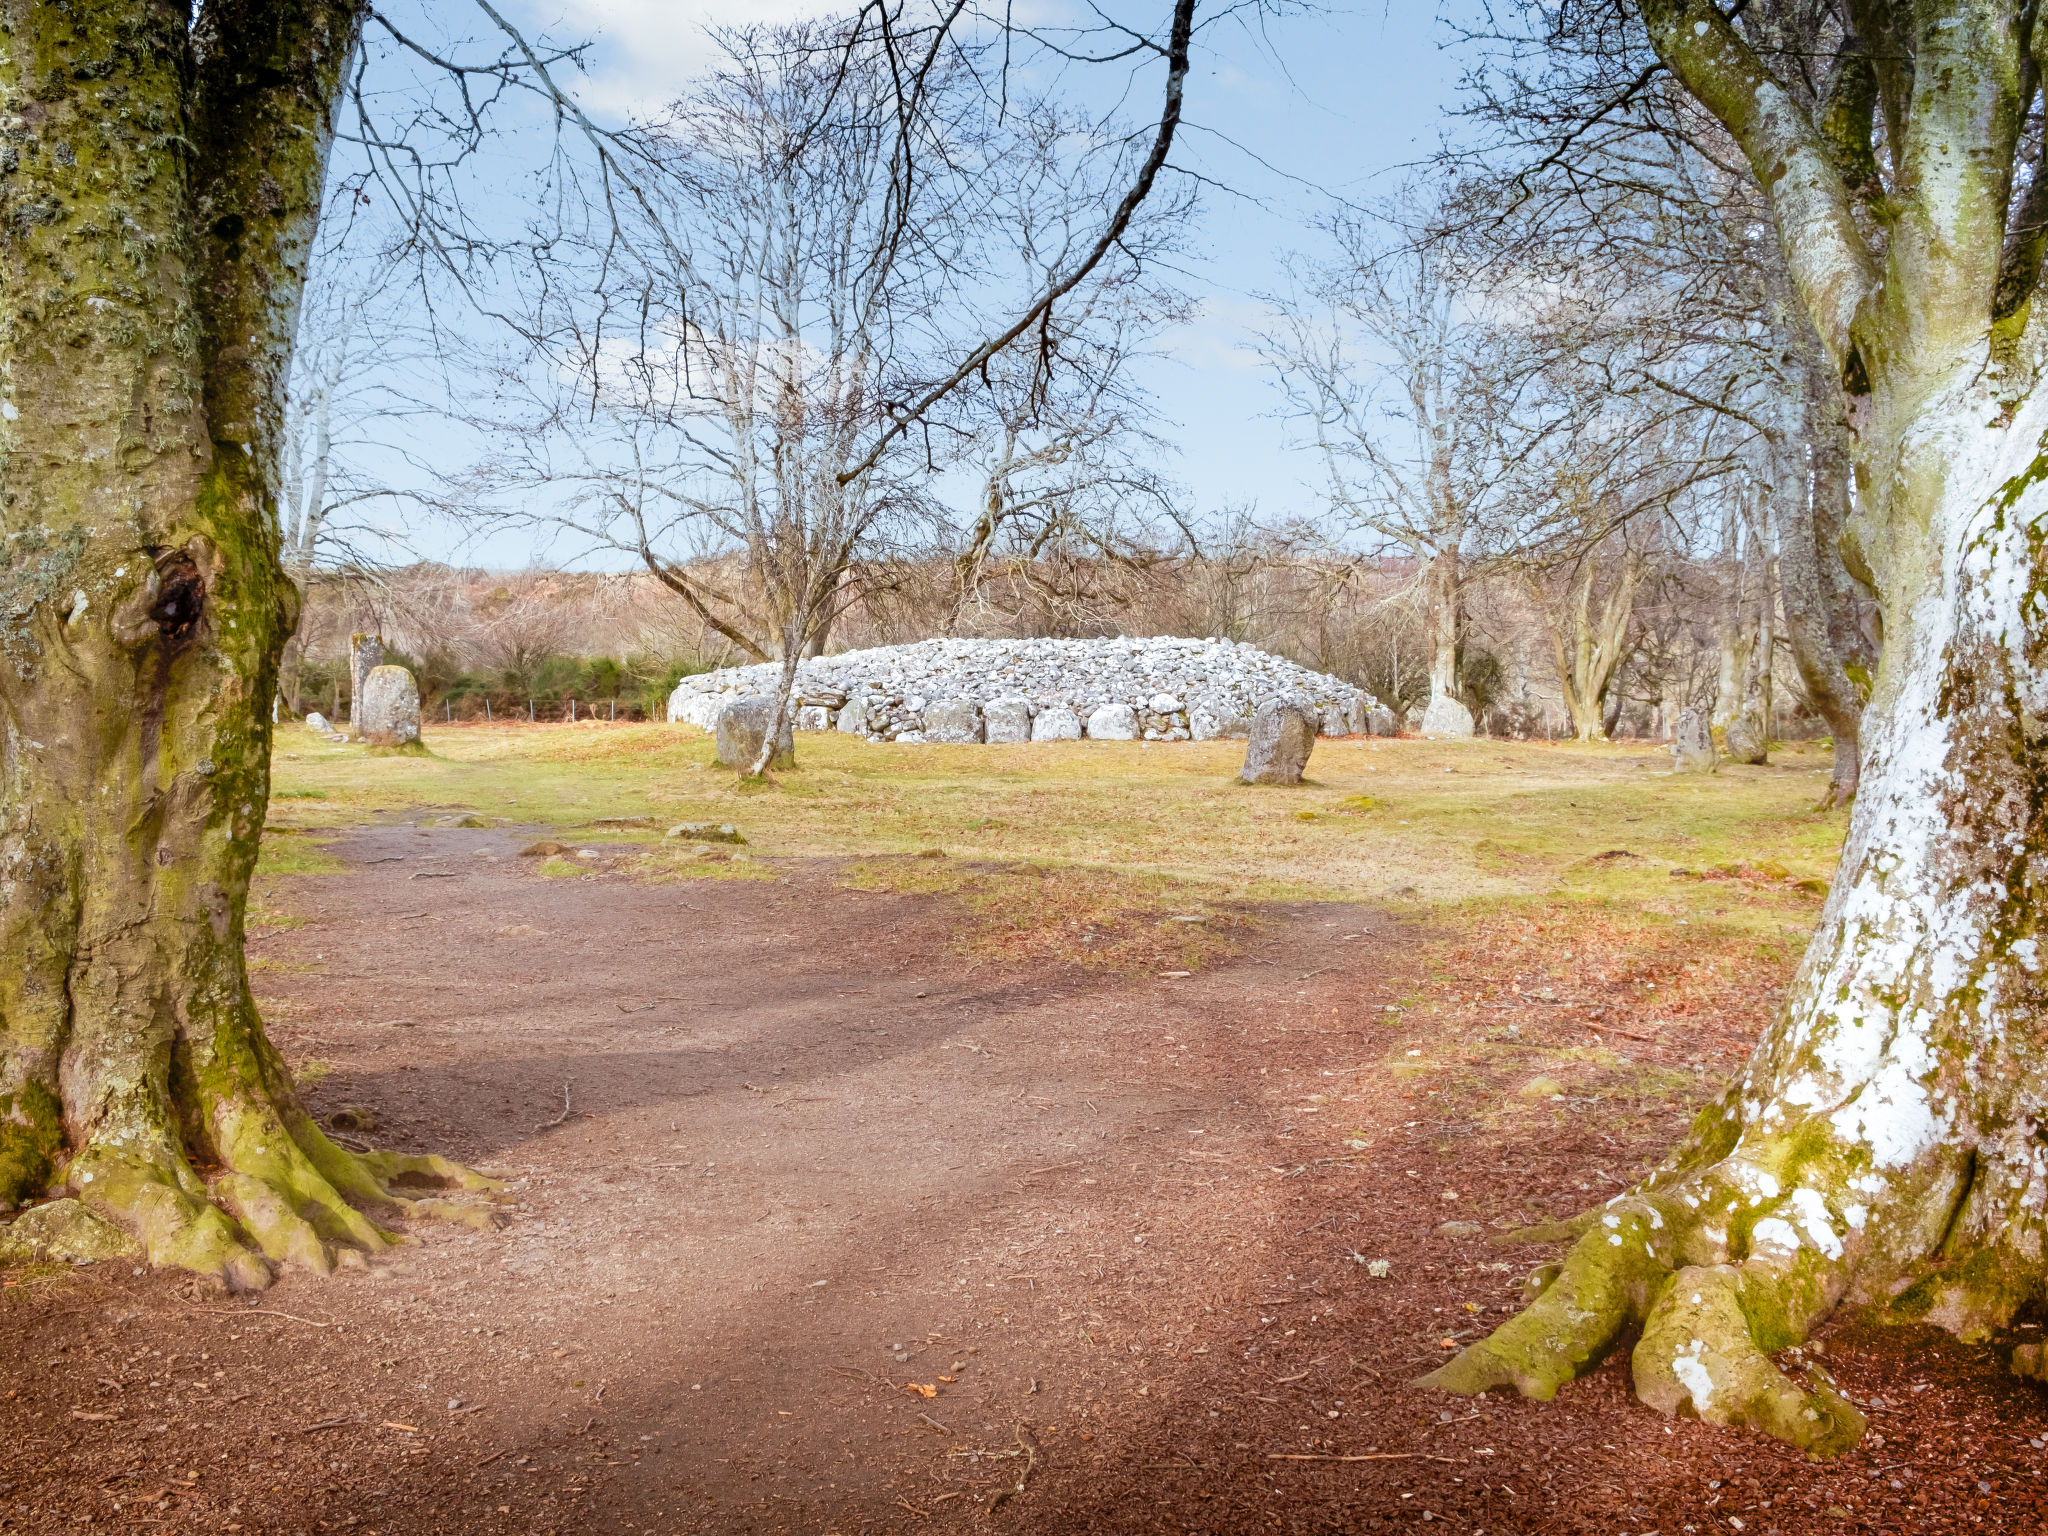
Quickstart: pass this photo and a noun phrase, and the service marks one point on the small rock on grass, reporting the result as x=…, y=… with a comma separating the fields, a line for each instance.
x=543, y=850
x=706, y=832
x=1459, y=1229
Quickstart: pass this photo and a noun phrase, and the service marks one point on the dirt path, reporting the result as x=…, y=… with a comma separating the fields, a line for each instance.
x=841, y=1233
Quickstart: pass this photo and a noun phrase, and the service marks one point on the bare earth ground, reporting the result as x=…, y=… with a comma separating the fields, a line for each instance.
x=844, y=1233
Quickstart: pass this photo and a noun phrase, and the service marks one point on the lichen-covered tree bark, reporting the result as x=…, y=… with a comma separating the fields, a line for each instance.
x=1886, y=1142
x=160, y=177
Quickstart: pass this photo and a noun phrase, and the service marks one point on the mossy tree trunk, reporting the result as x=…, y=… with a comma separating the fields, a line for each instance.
x=160, y=177
x=1886, y=1142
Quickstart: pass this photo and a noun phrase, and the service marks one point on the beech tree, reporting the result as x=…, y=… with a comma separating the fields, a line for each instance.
x=1883, y=1144
x=163, y=176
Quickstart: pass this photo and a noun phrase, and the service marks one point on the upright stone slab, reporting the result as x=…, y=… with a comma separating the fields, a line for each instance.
x=1335, y=722
x=743, y=725
x=365, y=655
x=390, y=712
x=318, y=722
x=1692, y=744
x=1006, y=720
x=1283, y=734
x=957, y=721
x=1113, y=722
x=1056, y=722
x=1745, y=738
x=814, y=717
x=1446, y=719
x=1380, y=721
x=853, y=717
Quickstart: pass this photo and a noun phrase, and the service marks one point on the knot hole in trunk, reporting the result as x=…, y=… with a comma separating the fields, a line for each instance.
x=180, y=597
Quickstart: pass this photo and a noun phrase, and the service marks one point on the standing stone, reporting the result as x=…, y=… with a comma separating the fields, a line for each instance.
x=1380, y=721
x=853, y=717
x=1283, y=735
x=1204, y=724
x=1113, y=722
x=389, y=715
x=1745, y=739
x=318, y=722
x=1692, y=744
x=1446, y=719
x=744, y=724
x=365, y=655
x=1358, y=716
x=1004, y=720
x=1334, y=721
x=814, y=717
x=1056, y=723
x=952, y=720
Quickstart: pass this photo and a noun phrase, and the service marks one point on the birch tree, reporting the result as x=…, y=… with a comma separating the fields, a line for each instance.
x=1881, y=1146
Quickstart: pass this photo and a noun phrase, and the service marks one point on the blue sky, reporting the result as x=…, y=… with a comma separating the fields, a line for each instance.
x=1308, y=104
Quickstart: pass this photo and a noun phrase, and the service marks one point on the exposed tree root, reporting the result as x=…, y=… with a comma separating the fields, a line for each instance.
x=284, y=1194
x=1706, y=1328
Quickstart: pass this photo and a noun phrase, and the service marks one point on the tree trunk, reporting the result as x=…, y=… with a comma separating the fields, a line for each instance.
x=1882, y=1145
x=1821, y=621
x=1586, y=650
x=1734, y=626
x=1443, y=597
x=145, y=606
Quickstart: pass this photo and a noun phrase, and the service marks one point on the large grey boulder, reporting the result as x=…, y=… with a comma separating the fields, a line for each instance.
x=389, y=715
x=952, y=720
x=1113, y=722
x=1745, y=739
x=318, y=722
x=744, y=724
x=1446, y=719
x=1692, y=744
x=1335, y=721
x=1380, y=721
x=853, y=717
x=814, y=717
x=1283, y=734
x=1006, y=720
x=1056, y=722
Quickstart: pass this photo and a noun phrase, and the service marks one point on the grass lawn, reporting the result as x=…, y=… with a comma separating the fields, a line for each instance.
x=1439, y=828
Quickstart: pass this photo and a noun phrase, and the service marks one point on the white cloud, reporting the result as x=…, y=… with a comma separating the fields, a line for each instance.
x=648, y=50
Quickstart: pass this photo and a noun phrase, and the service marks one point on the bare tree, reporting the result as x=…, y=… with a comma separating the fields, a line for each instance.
x=1408, y=396
x=752, y=409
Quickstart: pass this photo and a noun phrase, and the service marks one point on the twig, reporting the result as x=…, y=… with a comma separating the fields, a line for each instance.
x=564, y=1115
x=1001, y=1495
x=935, y=1424
x=1376, y=1456
x=494, y=1456
x=325, y=1424
x=264, y=1312
x=913, y=1508
x=1055, y=1168
x=1319, y=970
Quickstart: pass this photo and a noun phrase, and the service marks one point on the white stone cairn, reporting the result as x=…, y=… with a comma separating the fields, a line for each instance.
x=1011, y=691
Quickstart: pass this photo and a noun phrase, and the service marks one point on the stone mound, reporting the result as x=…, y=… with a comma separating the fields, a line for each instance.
x=1039, y=690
